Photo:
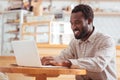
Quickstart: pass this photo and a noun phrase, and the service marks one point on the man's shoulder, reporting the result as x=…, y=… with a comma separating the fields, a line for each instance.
x=102, y=35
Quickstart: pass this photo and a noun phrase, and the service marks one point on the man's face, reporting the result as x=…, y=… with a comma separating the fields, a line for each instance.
x=79, y=25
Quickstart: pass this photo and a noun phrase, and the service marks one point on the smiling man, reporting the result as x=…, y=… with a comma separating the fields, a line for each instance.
x=90, y=50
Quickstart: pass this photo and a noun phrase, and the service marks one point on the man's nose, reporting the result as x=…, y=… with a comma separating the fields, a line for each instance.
x=73, y=26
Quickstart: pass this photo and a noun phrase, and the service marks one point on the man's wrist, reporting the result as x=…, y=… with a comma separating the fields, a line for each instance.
x=69, y=63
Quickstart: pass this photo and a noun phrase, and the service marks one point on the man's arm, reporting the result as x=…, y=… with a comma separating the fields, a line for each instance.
x=62, y=59
x=103, y=56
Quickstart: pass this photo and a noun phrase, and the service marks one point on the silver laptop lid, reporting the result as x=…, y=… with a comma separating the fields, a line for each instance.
x=26, y=53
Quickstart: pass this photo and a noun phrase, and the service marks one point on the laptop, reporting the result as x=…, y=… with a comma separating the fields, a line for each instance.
x=26, y=53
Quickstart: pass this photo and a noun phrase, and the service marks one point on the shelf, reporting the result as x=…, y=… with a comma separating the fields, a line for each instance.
x=13, y=32
x=107, y=13
x=13, y=22
x=61, y=0
x=11, y=29
x=101, y=0
x=38, y=32
x=51, y=46
x=96, y=13
x=36, y=23
x=10, y=23
x=15, y=11
x=28, y=33
x=60, y=46
x=83, y=0
x=42, y=32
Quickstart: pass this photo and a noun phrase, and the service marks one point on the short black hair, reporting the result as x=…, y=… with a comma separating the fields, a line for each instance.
x=85, y=9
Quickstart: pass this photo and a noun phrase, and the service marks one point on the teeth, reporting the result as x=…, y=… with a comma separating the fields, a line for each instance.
x=76, y=32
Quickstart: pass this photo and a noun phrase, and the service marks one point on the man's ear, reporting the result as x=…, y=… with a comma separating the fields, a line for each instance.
x=90, y=21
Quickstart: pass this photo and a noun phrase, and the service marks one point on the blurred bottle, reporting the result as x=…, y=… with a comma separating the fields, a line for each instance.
x=37, y=8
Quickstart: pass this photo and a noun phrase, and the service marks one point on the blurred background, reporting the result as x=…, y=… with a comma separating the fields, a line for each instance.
x=53, y=18
x=47, y=22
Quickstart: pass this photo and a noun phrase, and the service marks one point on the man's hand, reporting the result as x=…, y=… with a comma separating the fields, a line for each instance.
x=46, y=60
x=51, y=61
x=65, y=63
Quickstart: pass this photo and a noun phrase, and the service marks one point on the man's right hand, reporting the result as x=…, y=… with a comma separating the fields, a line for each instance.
x=51, y=61
x=46, y=60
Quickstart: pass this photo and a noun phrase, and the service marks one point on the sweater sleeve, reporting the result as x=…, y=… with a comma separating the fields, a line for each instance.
x=104, y=56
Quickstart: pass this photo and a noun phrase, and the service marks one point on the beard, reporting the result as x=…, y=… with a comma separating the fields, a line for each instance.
x=80, y=34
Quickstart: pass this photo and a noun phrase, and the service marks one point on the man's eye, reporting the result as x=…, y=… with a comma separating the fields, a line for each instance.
x=71, y=23
x=77, y=22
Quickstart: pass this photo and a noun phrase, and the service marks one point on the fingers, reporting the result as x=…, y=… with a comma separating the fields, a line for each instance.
x=46, y=60
x=51, y=61
x=65, y=63
x=46, y=63
x=55, y=63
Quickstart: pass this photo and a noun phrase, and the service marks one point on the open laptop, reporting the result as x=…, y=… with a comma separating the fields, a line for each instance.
x=26, y=53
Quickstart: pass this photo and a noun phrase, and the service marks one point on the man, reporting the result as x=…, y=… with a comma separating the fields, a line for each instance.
x=90, y=50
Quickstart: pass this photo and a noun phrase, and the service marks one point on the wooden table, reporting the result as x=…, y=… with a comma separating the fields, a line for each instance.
x=41, y=73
